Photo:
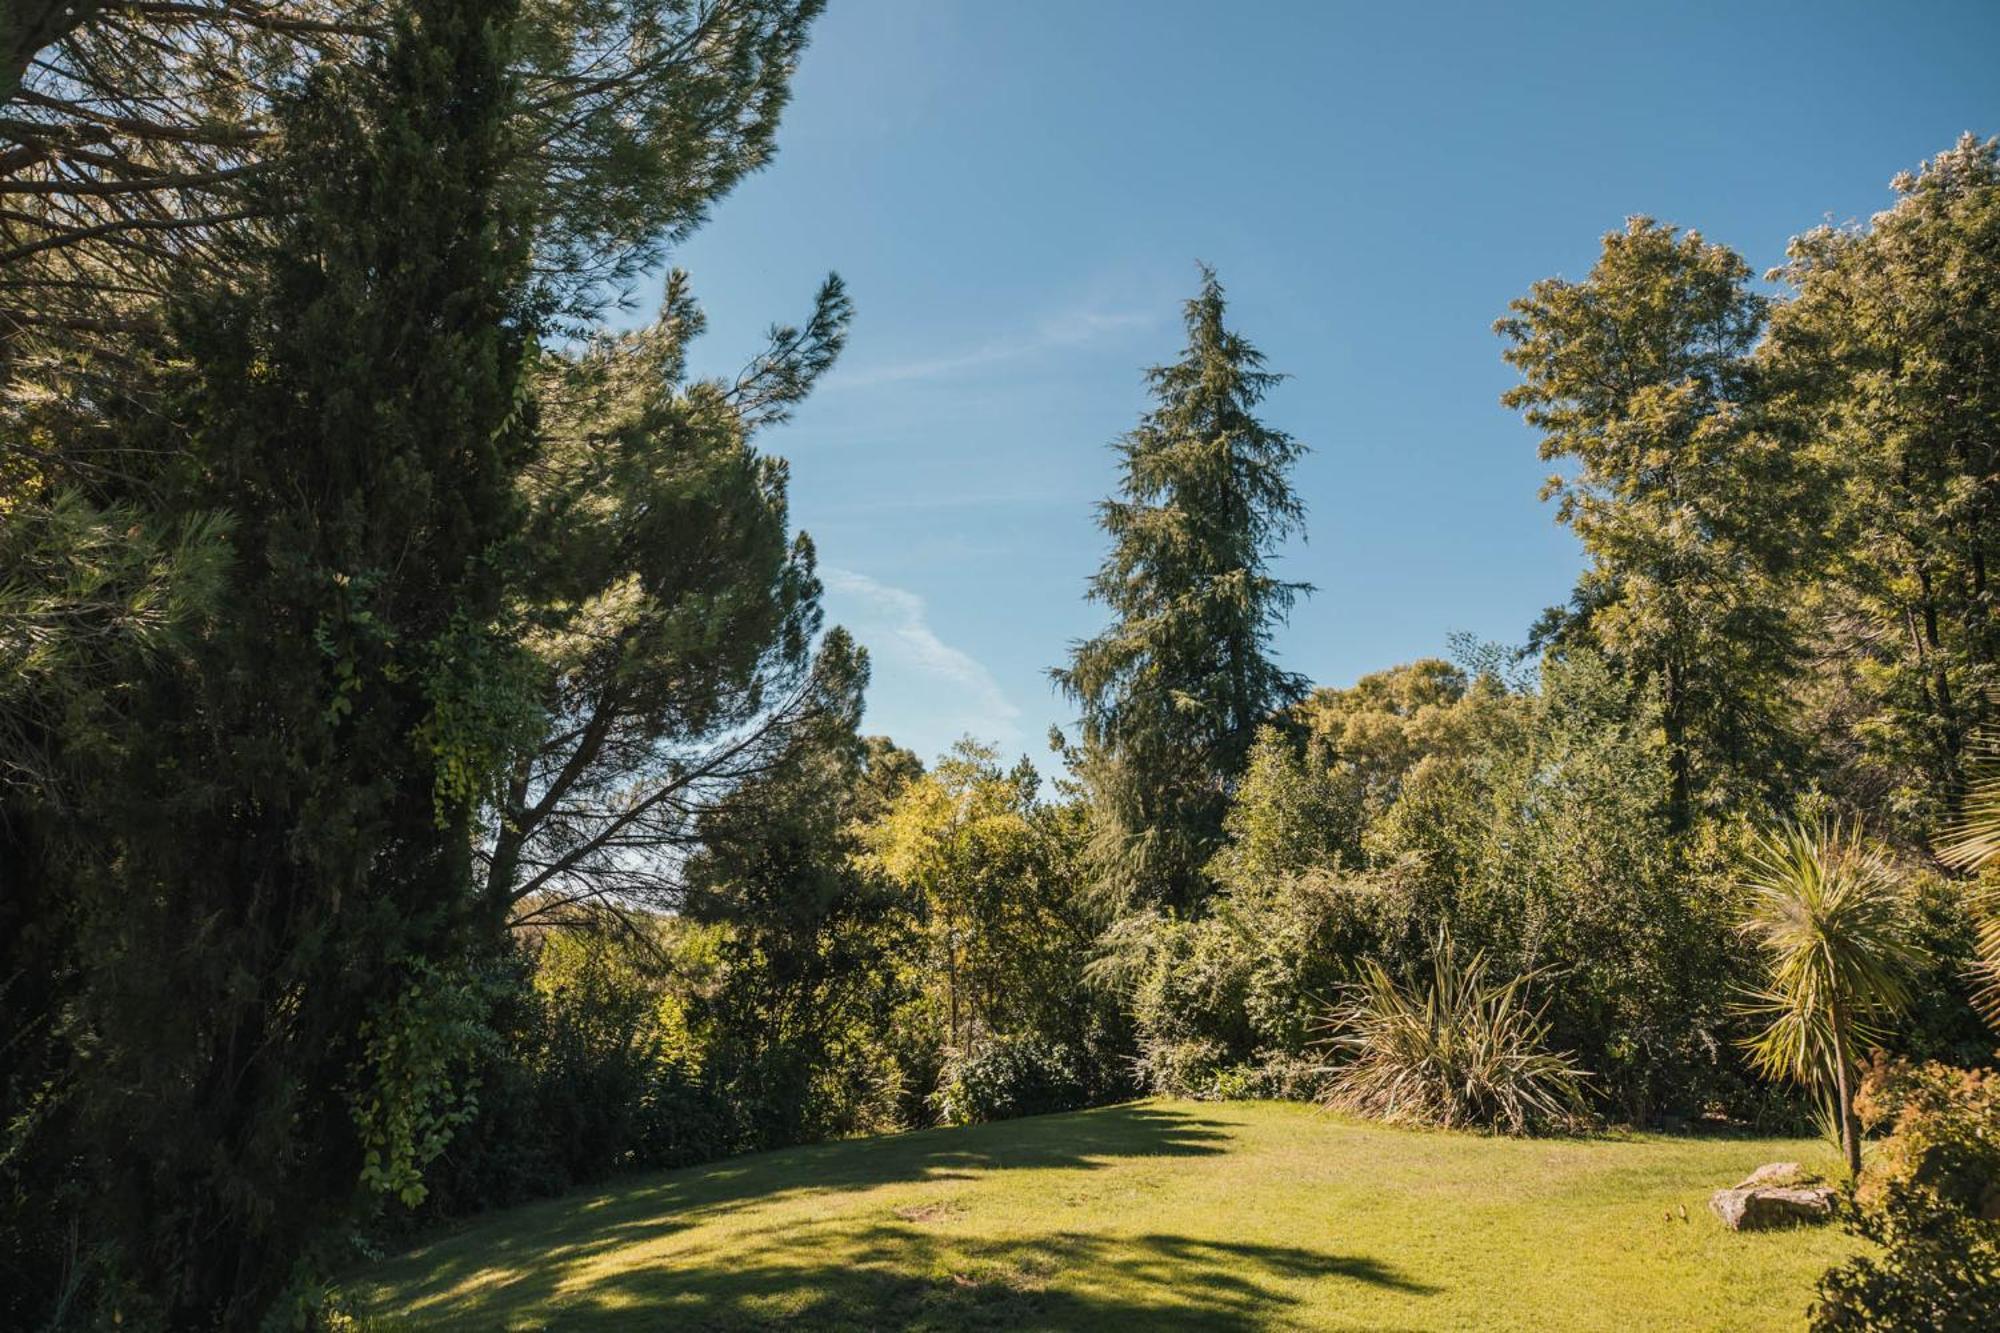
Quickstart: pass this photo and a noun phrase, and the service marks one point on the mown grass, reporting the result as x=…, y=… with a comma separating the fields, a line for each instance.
x=1157, y=1215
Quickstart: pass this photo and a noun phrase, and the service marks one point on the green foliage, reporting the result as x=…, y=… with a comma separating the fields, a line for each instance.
x=1192, y=981
x=589, y=1071
x=1004, y=1077
x=86, y=586
x=484, y=709
x=1173, y=693
x=1303, y=943
x=796, y=1023
x=1380, y=728
x=991, y=873
x=1949, y=1017
x=1290, y=814
x=1880, y=367
x=1545, y=845
x=1463, y=1051
x=1529, y=824
x=1972, y=844
x=1829, y=917
x=264, y=864
x=411, y=1091
x=667, y=611
x=255, y=829
x=1930, y=1201
x=1642, y=376
x=682, y=103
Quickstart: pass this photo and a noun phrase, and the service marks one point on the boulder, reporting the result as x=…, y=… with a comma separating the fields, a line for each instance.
x=1762, y=1206
x=1778, y=1175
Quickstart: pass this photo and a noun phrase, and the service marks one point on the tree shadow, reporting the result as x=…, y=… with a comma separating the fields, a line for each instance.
x=887, y=1275
x=524, y=1256
x=891, y=1277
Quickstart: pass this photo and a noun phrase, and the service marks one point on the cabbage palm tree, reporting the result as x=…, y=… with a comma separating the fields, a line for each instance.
x=1827, y=913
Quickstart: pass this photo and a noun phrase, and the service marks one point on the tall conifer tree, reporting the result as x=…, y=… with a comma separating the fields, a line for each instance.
x=288, y=849
x=1173, y=692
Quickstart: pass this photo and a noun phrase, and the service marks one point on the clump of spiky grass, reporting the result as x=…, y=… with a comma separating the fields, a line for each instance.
x=1463, y=1052
x=1972, y=843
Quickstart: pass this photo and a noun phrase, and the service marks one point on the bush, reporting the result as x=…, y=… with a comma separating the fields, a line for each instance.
x=1930, y=1200
x=1005, y=1077
x=1544, y=847
x=1227, y=1007
x=1189, y=1006
x=1303, y=937
x=584, y=1080
x=1275, y=1076
x=1463, y=1053
x=1943, y=1022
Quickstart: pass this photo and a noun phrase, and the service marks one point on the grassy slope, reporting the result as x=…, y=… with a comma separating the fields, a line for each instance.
x=1156, y=1215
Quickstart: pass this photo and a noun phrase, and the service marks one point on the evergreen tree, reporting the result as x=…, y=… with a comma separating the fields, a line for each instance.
x=284, y=850
x=1173, y=693
x=669, y=611
x=1641, y=375
x=275, y=574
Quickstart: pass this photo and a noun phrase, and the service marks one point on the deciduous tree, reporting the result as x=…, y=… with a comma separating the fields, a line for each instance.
x=1641, y=376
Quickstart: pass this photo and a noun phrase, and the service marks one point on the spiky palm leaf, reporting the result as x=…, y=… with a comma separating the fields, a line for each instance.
x=1464, y=1051
x=1827, y=912
x=1972, y=843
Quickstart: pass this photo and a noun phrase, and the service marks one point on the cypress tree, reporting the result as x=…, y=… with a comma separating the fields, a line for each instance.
x=284, y=875
x=1173, y=692
x=294, y=617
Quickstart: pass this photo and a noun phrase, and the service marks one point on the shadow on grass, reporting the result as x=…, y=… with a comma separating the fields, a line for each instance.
x=892, y=1277
x=541, y=1263
x=882, y=1275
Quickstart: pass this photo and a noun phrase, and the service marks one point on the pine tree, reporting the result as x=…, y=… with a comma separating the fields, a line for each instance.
x=1172, y=693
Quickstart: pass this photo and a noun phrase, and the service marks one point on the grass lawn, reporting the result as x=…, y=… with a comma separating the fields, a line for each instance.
x=1156, y=1215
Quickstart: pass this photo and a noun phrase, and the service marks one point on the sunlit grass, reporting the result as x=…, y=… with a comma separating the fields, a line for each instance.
x=1157, y=1215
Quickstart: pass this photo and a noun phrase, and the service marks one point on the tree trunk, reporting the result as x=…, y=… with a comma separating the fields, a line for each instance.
x=1953, y=736
x=507, y=844
x=1680, y=765
x=1843, y=1082
x=951, y=977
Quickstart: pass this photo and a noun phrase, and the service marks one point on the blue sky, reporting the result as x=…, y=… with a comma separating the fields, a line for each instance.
x=1017, y=194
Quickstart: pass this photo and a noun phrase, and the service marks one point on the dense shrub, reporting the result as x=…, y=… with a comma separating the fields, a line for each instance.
x=1528, y=823
x=1930, y=1200
x=1943, y=1022
x=1005, y=1077
x=1190, y=1004
x=584, y=1079
x=1546, y=849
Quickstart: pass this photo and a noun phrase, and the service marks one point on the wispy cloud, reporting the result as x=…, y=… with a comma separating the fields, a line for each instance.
x=921, y=681
x=1069, y=329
